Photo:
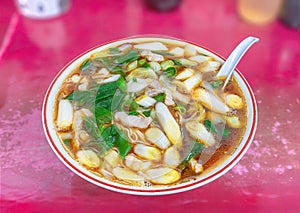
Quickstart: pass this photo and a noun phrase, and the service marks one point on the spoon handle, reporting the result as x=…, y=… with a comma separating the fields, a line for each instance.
x=228, y=67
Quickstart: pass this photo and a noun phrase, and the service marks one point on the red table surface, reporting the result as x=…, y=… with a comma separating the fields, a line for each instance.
x=33, y=179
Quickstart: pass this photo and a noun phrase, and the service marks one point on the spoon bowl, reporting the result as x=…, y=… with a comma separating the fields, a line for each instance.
x=230, y=64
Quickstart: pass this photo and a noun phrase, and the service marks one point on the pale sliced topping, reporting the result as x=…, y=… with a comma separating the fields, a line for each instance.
x=112, y=158
x=127, y=175
x=210, y=101
x=64, y=115
x=198, y=131
x=210, y=66
x=86, y=112
x=153, y=92
x=84, y=83
x=163, y=175
x=177, y=51
x=125, y=47
x=66, y=135
x=184, y=74
x=168, y=124
x=132, y=120
x=147, y=152
x=132, y=66
x=168, y=100
x=172, y=157
x=216, y=118
x=142, y=72
x=75, y=78
x=234, y=101
x=136, y=85
x=155, y=66
x=185, y=99
x=157, y=137
x=195, y=166
x=189, y=51
x=152, y=56
x=88, y=158
x=132, y=162
x=151, y=46
x=187, y=62
x=233, y=121
x=83, y=136
x=145, y=101
x=102, y=73
x=193, y=82
x=199, y=58
x=109, y=79
x=77, y=127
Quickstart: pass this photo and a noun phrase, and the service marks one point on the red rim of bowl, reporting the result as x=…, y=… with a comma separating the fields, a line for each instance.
x=176, y=188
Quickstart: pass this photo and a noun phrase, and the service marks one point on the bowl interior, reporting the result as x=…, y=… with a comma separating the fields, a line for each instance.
x=206, y=177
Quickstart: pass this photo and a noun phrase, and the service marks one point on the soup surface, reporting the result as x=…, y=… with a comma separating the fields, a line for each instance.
x=151, y=113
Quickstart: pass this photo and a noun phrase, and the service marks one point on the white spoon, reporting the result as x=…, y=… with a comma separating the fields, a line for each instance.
x=228, y=67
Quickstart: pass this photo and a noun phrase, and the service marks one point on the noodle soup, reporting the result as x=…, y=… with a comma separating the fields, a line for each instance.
x=148, y=113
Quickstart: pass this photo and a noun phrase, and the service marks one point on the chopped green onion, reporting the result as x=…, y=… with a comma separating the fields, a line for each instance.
x=170, y=72
x=177, y=62
x=215, y=84
x=118, y=70
x=147, y=65
x=108, y=99
x=147, y=113
x=67, y=142
x=86, y=65
x=181, y=108
x=132, y=95
x=109, y=136
x=131, y=55
x=134, y=79
x=122, y=144
x=126, y=105
x=105, y=103
x=133, y=113
x=107, y=62
x=106, y=91
x=132, y=65
x=166, y=64
x=133, y=106
x=121, y=83
x=129, y=106
x=210, y=126
x=204, y=54
x=113, y=50
x=81, y=98
x=225, y=133
x=197, y=148
x=117, y=100
x=111, y=65
x=142, y=62
x=162, y=53
x=160, y=97
x=102, y=114
x=101, y=128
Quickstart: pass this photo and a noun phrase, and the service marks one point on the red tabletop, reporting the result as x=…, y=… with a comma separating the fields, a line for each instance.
x=33, y=179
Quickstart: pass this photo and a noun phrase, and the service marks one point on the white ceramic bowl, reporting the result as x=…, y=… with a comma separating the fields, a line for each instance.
x=210, y=175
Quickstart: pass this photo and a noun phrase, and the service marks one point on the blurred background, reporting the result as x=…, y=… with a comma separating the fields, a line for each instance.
x=217, y=24
x=39, y=37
